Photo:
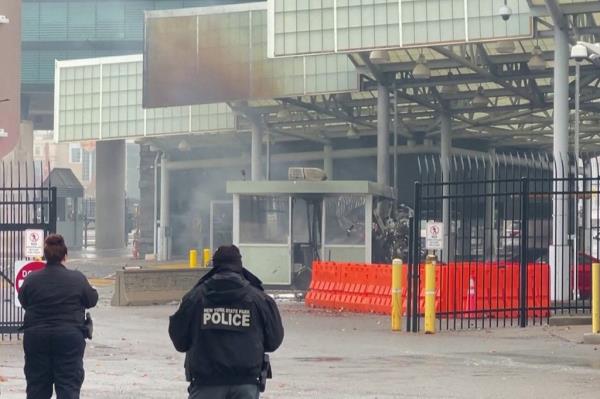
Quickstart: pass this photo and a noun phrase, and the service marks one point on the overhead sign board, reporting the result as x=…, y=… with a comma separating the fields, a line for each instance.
x=434, y=238
x=219, y=54
x=22, y=269
x=33, y=243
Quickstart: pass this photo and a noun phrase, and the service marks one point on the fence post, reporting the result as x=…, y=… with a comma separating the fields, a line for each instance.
x=596, y=298
x=416, y=259
x=409, y=272
x=523, y=255
x=52, y=211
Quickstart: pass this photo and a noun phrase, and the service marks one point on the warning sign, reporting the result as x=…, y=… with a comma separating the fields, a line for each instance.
x=34, y=244
x=22, y=270
x=434, y=238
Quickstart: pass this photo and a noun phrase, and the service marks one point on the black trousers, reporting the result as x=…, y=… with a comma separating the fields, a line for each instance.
x=54, y=357
x=224, y=392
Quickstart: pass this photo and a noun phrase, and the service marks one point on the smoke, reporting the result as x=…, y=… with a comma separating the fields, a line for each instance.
x=192, y=192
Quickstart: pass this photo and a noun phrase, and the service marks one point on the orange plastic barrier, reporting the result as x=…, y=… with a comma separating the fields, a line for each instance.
x=463, y=289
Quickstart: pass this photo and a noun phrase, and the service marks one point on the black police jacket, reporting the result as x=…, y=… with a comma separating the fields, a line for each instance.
x=225, y=324
x=56, y=297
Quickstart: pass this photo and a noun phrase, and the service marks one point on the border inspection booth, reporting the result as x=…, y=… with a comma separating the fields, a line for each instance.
x=281, y=227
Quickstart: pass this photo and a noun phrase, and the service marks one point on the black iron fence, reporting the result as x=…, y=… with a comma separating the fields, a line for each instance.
x=520, y=235
x=25, y=203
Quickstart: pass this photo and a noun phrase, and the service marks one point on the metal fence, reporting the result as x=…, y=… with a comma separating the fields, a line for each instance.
x=507, y=261
x=25, y=203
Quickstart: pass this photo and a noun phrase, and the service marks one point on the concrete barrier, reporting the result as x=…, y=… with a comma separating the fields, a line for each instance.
x=134, y=287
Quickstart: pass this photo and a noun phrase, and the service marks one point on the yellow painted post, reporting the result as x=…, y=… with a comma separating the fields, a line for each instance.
x=430, y=294
x=206, y=257
x=193, y=258
x=596, y=298
x=397, y=295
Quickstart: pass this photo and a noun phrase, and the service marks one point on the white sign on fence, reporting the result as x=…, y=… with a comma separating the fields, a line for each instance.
x=34, y=243
x=434, y=238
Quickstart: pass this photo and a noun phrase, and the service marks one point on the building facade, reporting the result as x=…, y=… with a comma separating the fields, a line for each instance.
x=10, y=70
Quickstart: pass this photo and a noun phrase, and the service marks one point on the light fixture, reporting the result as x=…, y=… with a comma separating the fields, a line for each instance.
x=4, y=20
x=536, y=62
x=506, y=47
x=184, y=146
x=3, y=133
x=352, y=133
x=284, y=113
x=450, y=87
x=421, y=70
x=379, y=57
x=480, y=100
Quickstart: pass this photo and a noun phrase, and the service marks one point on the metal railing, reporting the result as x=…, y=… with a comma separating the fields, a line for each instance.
x=25, y=203
x=519, y=241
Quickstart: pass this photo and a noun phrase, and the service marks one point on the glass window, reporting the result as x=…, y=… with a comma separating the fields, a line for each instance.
x=264, y=220
x=74, y=153
x=345, y=220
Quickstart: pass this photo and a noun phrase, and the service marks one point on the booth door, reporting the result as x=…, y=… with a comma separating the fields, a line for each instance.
x=264, y=236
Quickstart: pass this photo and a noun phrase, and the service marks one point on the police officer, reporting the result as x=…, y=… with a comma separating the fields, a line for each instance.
x=55, y=300
x=225, y=325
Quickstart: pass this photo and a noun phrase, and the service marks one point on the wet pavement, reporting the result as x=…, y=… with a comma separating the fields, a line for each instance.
x=334, y=355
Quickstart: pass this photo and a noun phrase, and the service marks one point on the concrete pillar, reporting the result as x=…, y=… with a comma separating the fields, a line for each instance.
x=559, y=251
x=328, y=161
x=491, y=236
x=256, y=171
x=383, y=156
x=110, y=194
x=164, y=230
x=445, y=154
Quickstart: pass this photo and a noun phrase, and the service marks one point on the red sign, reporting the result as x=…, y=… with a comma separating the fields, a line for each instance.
x=22, y=270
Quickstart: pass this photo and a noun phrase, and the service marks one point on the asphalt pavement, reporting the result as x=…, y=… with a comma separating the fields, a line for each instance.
x=335, y=355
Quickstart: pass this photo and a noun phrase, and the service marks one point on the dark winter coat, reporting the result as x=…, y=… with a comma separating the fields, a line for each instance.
x=225, y=324
x=56, y=297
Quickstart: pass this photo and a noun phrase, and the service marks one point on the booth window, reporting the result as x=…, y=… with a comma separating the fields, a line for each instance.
x=345, y=220
x=264, y=220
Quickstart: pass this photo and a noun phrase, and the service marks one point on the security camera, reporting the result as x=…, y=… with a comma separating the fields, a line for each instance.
x=579, y=52
x=586, y=51
x=505, y=12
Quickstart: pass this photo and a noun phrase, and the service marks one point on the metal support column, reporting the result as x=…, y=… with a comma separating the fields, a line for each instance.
x=164, y=246
x=383, y=155
x=491, y=236
x=256, y=152
x=445, y=154
x=559, y=252
x=396, y=131
x=328, y=161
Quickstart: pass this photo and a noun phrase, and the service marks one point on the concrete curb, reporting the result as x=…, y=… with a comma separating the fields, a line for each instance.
x=563, y=321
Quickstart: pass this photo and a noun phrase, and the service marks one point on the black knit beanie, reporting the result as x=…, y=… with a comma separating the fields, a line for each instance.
x=227, y=255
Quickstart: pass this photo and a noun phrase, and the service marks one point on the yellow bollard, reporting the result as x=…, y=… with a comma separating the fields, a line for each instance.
x=430, y=294
x=207, y=256
x=397, y=295
x=596, y=298
x=193, y=258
